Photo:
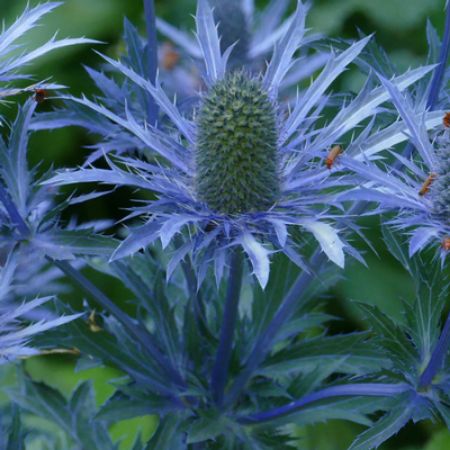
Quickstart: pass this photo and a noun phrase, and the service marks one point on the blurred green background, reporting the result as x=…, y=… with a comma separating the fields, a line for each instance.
x=399, y=26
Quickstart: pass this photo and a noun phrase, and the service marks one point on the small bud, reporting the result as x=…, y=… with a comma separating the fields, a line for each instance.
x=233, y=28
x=440, y=189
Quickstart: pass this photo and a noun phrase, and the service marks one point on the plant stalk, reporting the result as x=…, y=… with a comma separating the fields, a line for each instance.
x=349, y=390
x=437, y=357
x=219, y=374
x=263, y=344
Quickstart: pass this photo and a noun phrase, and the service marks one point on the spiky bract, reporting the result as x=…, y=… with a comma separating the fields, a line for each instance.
x=236, y=155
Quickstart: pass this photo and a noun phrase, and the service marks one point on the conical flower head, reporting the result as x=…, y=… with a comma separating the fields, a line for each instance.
x=441, y=187
x=233, y=29
x=236, y=154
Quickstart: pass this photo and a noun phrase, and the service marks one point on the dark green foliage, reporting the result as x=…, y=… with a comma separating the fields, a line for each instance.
x=76, y=416
x=236, y=156
x=233, y=29
x=14, y=438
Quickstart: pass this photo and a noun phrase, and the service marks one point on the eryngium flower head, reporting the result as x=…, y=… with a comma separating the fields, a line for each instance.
x=440, y=182
x=418, y=189
x=246, y=167
x=236, y=155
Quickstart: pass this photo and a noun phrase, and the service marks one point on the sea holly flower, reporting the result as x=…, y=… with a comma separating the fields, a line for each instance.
x=418, y=188
x=244, y=168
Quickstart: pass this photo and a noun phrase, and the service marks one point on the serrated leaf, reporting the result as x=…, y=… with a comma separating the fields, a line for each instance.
x=168, y=435
x=390, y=424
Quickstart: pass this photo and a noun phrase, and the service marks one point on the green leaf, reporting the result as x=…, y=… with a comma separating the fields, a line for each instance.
x=357, y=355
x=207, y=426
x=390, y=424
x=392, y=338
x=168, y=435
x=121, y=406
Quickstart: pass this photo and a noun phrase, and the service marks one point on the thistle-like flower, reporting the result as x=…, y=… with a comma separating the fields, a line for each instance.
x=418, y=187
x=245, y=168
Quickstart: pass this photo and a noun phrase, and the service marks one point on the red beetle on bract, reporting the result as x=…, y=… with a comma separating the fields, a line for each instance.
x=446, y=120
x=40, y=95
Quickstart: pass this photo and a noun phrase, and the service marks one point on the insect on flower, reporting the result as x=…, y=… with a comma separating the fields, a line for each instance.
x=446, y=244
x=446, y=120
x=169, y=56
x=427, y=184
x=40, y=95
x=335, y=151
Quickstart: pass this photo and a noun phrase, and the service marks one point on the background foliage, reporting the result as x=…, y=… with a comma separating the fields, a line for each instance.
x=400, y=29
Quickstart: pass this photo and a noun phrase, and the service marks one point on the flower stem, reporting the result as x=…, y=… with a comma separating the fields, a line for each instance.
x=152, y=57
x=263, y=344
x=437, y=357
x=13, y=212
x=349, y=390
x=220, y=369
x=135, y=329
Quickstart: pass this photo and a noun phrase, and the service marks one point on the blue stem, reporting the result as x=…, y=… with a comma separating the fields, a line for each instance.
x=140, y=334
x=13, y=212
x=349, y=390
x=438, y=356
x=152, y=57
x=220, y=369
x=263, y=344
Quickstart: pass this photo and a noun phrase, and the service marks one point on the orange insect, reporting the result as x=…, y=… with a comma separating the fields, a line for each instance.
x=40, y=95
x=335, y=151
x=427, y=184
x=446, y=244
x=170, y=56
x=447, y=120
